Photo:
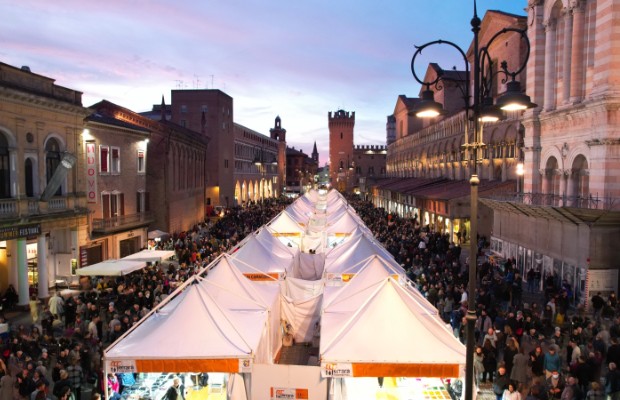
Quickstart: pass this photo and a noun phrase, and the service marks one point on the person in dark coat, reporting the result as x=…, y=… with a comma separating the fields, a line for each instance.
x=176, y=391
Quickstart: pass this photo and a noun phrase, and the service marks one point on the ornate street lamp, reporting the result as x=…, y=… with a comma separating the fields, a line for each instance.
x=478, y=109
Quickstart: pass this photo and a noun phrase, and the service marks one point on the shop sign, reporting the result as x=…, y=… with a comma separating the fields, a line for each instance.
x=289, y=394
x=19, y=231
x=336, y=370
x=83, y=257
x=91, y=172
x=123, y=367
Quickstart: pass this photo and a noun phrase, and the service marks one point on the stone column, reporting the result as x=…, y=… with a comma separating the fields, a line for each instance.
x=550, y=83
x=577, y=59
x=42, y=267
x=22, y=273
x=566, y=55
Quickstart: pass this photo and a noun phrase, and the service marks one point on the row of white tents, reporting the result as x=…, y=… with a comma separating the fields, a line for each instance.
x=345, y=288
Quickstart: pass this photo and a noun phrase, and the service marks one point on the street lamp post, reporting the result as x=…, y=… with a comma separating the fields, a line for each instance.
x=480, y=108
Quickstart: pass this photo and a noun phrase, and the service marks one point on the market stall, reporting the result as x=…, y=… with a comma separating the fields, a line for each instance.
x=150, y=255
x=111, y=268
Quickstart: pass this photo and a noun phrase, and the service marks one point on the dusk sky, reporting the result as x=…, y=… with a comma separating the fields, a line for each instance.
x=295, y=59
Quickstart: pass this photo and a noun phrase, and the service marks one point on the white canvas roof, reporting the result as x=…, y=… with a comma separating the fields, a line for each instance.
x=252, y=257
x=345, y=223
x=194, y=332
x=111, y=268
x=284, y=224
x=374, y=266
x=352, y=252
x=380, y=334
x=224, y=277
x=265, y=235
x=150, y=255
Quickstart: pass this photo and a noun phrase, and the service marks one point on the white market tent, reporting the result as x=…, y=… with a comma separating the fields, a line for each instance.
x=195, y=332
x=344, y=224
x=257, y=262
x=344, y=272
x=378, y=331
x=283, y=224
x=150, y=255
x=223, y=275
x=111, y=268
x=352, y=252
x=265, y=235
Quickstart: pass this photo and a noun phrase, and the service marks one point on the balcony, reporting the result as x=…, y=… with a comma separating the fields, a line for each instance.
x=121, y=222
x=30, y=207
x=593, y=202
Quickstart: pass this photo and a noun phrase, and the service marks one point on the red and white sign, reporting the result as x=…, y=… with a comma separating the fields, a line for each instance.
x=278, y=393
x=91, y=172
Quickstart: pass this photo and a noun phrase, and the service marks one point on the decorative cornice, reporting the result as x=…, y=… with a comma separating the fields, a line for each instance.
x=603, y=142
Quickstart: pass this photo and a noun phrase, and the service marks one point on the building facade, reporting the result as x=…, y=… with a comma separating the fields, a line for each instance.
x=429, y=156
x=114, y=162
x=301, y=170
x=43, y=209
x=176, y=168
x=256, y=168
x=233, y=154
x=568, y=214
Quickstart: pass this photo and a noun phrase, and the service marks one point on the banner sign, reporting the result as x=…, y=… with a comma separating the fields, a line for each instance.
x=288, y=394
x=122, y=367
x=19, y=231
x=267, y=276
x=336, y=370
x=91, y=172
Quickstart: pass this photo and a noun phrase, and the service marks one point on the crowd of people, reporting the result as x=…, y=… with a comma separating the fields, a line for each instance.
x=546, y=349
x=60, y=353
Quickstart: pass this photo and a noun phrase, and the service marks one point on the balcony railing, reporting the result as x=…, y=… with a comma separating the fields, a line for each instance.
x=29, y=206
x=556, y=200
x=103, y=225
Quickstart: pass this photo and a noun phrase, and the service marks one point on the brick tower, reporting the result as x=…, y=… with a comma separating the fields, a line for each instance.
x=341, y=124
x=279, y=133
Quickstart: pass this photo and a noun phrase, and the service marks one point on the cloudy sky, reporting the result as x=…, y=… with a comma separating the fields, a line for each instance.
x=295, y=59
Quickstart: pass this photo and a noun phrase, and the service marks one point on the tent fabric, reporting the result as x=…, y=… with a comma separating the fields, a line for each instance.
x=254, y=256
x=301, y=306
x=224, y=275
x=375, y=266
x=111, y=268
x=234, y=334
x=283, y=223
x=266, y=238
x=353, y=252
x=157, y=234
x=310, y=266
x=150, y=255
x=373, y=332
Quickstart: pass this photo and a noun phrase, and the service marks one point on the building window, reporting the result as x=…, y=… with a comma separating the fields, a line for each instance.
x=113, y=205
x=115, y=160
x=5, y=169
x=225, y=163
x=104, y=159
x=141, y=162
x=184, y=123
x=52, y=161
x=371, y=170
x=142, y=202
x=341, y=136
x=183, y=108
x=204, y=108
